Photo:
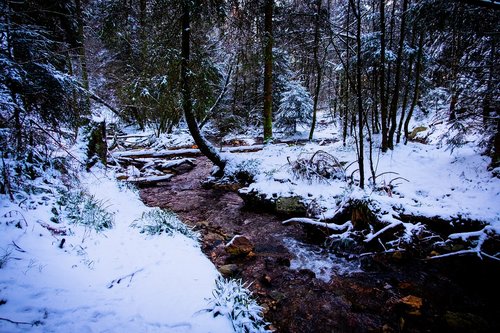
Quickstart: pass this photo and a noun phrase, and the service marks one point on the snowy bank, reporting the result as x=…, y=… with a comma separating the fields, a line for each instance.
x=57, y=277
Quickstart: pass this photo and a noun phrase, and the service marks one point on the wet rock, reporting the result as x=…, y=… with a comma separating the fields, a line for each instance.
x=266, y=279
x=239, y=246
x=228, y=270
x=457, y=322
x=257, y=202
x=411, y=305
x=416, y=130
x=230, y=187
x=277, y=296
x=291, y=206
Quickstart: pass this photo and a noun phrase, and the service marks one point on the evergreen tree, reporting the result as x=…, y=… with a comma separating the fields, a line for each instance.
x=296, y=107
x=36, y=86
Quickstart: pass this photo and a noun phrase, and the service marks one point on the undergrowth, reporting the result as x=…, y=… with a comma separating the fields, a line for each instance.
x=232, y=299
x=158, y=221
x=84, y=209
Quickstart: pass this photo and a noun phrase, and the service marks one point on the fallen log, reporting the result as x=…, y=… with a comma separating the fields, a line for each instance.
x=319, y=224
x=191, y=152
x=149, y=180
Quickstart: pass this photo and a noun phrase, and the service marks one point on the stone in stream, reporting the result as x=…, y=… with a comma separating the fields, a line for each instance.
x=228, y=270
x=411, y=305
x=239, y=246
x=291, y=206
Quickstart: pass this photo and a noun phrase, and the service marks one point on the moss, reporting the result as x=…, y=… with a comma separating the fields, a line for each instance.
x=97, y=149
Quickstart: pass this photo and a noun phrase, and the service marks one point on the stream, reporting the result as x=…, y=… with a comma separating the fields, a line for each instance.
x=304, y=288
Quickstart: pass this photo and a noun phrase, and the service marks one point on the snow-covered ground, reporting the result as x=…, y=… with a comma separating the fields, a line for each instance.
x=117, y=280
x=433, y=182
x=60, y=277
x=427, y=180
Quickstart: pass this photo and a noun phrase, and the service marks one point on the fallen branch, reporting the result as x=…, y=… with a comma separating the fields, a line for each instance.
x=382, y=231
x=464, y=252
x=18, y=322
x=149, y=180
x=58, y=143
x=119, y=280
x=182, y=152
x=317, y=223
x=169, y=165
x=53, y=230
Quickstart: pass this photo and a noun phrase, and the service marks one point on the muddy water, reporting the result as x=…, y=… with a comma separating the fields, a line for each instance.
x=305, y=289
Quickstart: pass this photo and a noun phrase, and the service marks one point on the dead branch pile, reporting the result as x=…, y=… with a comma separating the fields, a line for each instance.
x=320, y=167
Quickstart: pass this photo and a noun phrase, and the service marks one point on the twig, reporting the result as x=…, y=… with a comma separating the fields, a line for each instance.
x=390, y=182
x=18, y=248
x=58, y=143
x=211, y=112
x=17, y=322
x=117, y=281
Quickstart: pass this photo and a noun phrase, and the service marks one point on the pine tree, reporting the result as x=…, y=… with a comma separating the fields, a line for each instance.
x=296, y=107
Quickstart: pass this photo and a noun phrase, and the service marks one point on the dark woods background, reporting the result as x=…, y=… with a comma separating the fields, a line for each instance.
x=374, y=64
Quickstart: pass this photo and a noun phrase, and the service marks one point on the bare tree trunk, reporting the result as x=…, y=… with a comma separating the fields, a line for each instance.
x=317, y=66
x=489, y=85
x=383, y=104
x=404, y=104
x=83, y=58
x=397, y=84
x=359, y=67
x=416, y=93
x=496, y=146
x=347, y=86
x=205, y=147
x=268, y=71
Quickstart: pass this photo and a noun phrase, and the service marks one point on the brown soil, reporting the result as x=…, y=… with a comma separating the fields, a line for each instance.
x=394, y=293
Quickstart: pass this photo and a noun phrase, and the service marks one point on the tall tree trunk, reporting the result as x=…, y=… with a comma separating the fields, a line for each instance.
x=205, y=147
x=317, y=67
x=142, y=27
x=495, y=162
x=455, y=61
x=489, y=85
x=383, y=103
x=416, y=92
x=346, y=81
x=82, y=56
x=397, y=79
x=404, y=103
x=359, y=68
x=268, y=70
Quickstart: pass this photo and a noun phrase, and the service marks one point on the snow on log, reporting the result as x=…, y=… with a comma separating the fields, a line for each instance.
x=382, y=231
x=149, y=180
x=175, y=163
x=182, y=152
x=317, y=223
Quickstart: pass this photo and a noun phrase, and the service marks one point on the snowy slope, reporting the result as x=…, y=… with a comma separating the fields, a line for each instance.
x=118, y=280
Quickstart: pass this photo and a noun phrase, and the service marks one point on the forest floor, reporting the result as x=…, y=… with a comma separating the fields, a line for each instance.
x=303, y=288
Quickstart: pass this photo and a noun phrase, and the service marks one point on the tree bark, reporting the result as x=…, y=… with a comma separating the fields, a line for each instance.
x=489, y=85
x=383, y=104
x=317, y=66
x=359, y=68
x=416, y=93
x=205, y=147
x=407, y=89
x=397, y=85
x=268, y=71
x=83, y=62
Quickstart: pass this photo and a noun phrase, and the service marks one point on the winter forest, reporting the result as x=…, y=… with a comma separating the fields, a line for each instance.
x=249, y=166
